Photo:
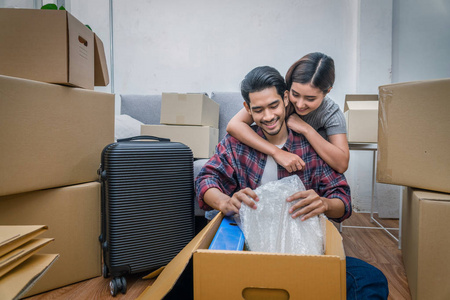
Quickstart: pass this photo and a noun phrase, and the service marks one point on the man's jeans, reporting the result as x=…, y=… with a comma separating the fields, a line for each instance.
x=364, y=281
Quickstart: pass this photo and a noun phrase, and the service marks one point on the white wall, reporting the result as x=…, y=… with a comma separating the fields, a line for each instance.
x=204, y=46
x=200, y=45
x=421, y=40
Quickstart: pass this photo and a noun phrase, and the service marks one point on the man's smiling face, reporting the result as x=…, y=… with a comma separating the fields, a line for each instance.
x=267, y=108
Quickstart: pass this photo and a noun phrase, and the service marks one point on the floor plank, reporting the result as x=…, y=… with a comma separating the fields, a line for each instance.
x=372, y=245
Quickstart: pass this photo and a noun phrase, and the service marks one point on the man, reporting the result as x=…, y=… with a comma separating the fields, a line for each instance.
x=228, y=179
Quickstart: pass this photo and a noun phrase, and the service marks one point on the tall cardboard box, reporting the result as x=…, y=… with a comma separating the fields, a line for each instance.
x=72, y=214
x=361, y=116
x=414, y=134
x=201, y=139
x=221, y=274
x=51, y=135
x=189, y=109
x=426, y=243
x=50, y=46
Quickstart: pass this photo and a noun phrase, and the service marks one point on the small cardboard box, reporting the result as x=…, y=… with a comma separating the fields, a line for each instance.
x=414, y=135
x=219, y=274
x=72, y=214
x=426, y=243
x=51, y=135
x=361, y=116
x=201, y=139
x=50, y=46
x=189, y=109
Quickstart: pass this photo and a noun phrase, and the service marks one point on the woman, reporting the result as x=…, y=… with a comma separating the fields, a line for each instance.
x=311, y=113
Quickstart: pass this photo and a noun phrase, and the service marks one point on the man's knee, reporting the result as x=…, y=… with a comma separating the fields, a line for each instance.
x=365, y=281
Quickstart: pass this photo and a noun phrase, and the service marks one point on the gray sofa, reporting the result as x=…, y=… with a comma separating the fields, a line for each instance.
x=147, y=109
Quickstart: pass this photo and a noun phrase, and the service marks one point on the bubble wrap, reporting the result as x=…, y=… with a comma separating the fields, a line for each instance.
x=270, y=228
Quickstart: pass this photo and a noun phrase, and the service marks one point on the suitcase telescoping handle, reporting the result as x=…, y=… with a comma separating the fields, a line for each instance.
x=144, y=137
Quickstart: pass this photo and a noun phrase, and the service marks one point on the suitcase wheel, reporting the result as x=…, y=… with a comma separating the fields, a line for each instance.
x=116, y=284
x=105, y=271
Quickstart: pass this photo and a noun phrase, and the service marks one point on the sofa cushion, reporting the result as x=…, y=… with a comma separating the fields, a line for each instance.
x=230, y=103
x=145, y=108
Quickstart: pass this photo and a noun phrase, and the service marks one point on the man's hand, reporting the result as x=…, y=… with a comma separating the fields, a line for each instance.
x=290, y=161
x=232, y=205
x=309, y=204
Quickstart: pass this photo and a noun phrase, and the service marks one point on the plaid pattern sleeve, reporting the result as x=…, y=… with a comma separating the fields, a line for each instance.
x=216, y=173
x=233, y=167
x=317, y=175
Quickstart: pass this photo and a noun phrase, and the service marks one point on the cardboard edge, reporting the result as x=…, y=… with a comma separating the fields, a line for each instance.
x=172, y=272
x=15, y=284
x=16, y=257
x=22, y=239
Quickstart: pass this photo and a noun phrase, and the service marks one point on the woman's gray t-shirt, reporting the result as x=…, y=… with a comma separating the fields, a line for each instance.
x=327, y=119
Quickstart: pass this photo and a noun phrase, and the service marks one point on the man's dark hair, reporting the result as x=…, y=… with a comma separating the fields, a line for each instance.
x=261, y=78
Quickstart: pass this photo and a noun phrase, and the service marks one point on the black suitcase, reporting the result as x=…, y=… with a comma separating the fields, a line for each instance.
x=147, y=205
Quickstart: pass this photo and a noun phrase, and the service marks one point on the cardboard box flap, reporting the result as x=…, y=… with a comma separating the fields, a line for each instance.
x=81, y=54
x=173, y=271
x=13, y=236
x=17, y=282
x=351, y=98
x=101, y=76
x=15, y=257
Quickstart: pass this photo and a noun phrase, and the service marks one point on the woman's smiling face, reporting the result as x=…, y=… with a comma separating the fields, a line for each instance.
x=305, y=98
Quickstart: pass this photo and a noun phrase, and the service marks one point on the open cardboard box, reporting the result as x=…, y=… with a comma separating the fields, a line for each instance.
x=199, y=273
x=361, y=116
x=50, y=46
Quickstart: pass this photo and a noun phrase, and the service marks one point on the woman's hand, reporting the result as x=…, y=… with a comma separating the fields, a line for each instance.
x=290, y=161
x=295, y=123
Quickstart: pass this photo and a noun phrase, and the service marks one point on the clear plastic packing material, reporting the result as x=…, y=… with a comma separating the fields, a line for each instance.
x=270, y=228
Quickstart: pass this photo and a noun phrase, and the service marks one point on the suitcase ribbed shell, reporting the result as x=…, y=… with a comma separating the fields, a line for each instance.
x=148, y=199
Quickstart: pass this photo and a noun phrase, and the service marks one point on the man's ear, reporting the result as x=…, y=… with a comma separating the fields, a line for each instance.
x=286, y=98
x=247, y=108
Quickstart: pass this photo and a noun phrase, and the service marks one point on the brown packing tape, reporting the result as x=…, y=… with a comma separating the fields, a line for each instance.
x=182, y=97
x=385, y=99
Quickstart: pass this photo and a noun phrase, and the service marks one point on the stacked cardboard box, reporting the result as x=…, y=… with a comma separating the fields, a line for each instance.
x=413, y=143
x=54, y=128
x=191, y=119
x=18, y=247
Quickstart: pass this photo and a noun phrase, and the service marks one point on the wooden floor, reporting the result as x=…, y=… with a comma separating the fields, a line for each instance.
x=371, y=245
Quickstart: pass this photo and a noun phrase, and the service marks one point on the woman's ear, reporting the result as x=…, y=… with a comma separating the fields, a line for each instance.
x=329, y=90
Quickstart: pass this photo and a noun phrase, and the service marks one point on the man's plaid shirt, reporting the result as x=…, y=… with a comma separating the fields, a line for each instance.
x=236, y=166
